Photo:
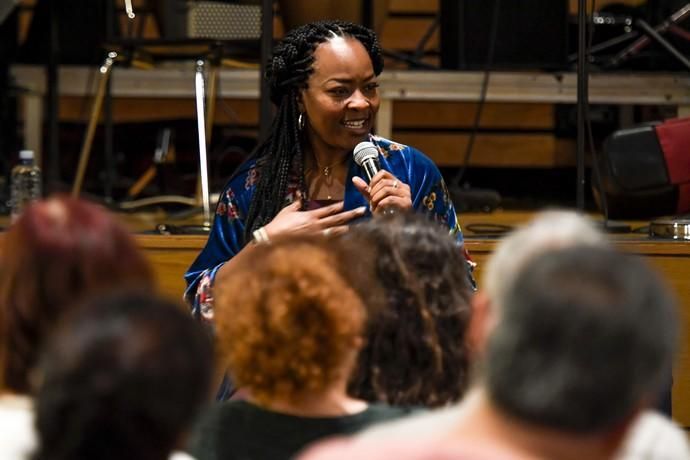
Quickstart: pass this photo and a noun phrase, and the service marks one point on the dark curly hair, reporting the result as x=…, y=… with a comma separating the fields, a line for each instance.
x=415, y=352
x=280, y=155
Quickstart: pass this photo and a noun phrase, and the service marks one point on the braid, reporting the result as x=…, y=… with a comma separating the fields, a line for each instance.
x=280, y=155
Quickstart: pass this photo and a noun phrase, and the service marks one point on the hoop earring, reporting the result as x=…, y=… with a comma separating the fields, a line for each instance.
x=300, y=121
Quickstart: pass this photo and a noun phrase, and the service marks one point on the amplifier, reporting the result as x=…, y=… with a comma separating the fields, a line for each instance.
x=530, y=34
x=216, y=20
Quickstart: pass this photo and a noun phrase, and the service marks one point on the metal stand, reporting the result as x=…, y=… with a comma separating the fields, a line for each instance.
x=199, y=88
x=265, y=106
x=53, y=103
x=85, y=154
x=669, y=25
x=582, y=101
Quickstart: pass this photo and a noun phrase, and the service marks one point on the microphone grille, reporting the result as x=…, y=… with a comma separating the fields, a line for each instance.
x=364, y=151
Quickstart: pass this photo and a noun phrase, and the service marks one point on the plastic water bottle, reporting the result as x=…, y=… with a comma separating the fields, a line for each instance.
x=25, y=184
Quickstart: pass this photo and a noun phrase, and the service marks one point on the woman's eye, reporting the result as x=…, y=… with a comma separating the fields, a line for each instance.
x=371, y=87
x=340, y=91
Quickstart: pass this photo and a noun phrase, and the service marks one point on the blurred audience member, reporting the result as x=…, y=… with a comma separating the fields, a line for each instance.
x=123, y=378
x=57, y=253
x=571, y=345
x=289, y=328
x=414, y=354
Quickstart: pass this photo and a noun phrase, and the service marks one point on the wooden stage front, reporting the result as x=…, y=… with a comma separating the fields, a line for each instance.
x=172, y=255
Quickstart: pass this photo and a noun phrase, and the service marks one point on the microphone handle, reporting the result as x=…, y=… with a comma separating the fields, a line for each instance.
x=371, y=167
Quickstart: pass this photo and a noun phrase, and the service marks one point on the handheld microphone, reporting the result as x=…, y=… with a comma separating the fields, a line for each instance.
x=367, y=157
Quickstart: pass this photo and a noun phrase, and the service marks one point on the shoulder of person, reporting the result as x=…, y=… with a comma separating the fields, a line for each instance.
x=408, y=449
x=243, y=178
x=17, y=433
x=179, y=455
x=419, y=424
x=655, y=437
x=380, y=411
x=394, y=151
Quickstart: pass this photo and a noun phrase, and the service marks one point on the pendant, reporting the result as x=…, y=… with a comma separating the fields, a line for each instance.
x=327, y=171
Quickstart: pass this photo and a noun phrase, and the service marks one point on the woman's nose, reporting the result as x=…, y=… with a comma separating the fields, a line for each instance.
x=358, y=101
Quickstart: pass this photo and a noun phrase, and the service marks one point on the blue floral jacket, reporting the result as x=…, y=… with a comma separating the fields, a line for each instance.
x=429, y=195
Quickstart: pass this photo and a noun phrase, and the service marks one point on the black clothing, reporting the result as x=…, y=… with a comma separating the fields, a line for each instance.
x=239, y=430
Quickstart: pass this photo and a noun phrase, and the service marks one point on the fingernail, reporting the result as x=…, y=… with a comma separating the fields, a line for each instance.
x=361, y=209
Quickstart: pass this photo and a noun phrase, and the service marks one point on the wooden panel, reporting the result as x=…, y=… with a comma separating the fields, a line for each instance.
x=231, y=111
x=493, y=150
x=602, y=3
x=426, y=114
x=414, y=6
x=673, y=262
x=172, y=255
x=406, y=33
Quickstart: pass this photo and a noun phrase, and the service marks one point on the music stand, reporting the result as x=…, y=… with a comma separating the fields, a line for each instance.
x=645, y=35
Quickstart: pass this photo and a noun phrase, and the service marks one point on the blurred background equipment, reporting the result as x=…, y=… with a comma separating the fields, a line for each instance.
x=646, y=170
x=6, y=7
x=220, y=20
x=532, y=34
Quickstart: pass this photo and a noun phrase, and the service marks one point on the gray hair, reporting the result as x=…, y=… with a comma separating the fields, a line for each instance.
x=549, y=230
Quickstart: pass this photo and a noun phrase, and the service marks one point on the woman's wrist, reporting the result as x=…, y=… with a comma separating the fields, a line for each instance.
x=261, y=236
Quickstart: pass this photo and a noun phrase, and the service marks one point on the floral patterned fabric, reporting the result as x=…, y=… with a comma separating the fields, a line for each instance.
x=429, y=195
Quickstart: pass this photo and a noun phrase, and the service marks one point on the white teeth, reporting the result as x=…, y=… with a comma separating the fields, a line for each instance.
x=354, y=124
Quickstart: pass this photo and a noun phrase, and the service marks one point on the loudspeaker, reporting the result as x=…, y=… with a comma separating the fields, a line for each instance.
x=213, y=19
x=530, y=34
x=646, y=170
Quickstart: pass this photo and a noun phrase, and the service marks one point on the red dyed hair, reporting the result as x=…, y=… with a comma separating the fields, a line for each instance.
x=59, y=252
x=287, y=322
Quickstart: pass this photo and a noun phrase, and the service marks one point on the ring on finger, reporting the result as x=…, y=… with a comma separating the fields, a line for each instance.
x=326, y=231
x=395, y=183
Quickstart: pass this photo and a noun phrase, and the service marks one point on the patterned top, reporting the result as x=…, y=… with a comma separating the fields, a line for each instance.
x=429, y=195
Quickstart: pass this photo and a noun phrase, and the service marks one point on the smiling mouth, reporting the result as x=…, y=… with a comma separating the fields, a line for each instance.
x=355, y=124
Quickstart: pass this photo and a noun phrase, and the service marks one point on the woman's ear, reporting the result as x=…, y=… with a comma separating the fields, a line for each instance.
x=481, y=323
x=300, y=101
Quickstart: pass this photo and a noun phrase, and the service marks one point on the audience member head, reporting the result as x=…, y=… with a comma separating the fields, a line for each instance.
x=548, y=230
x=58, y=252
x=584, y=339
x=414, y=352
x=288, y=324
x=124, y=377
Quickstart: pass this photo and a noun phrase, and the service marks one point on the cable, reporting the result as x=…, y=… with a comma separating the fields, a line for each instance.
x=482, y=95
x=588, y=122
x=596, y=172
x=488, y=228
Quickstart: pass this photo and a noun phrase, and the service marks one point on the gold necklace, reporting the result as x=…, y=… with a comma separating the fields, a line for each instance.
x=326, y=170
x=327, y=173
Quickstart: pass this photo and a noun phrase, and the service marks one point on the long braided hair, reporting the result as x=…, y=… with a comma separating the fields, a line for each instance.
x=281, y=155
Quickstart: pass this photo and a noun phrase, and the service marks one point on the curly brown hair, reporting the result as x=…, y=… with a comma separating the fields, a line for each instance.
x=287, y=321
x=415, y=353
